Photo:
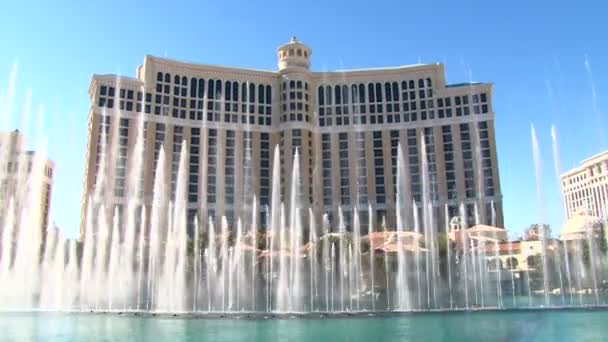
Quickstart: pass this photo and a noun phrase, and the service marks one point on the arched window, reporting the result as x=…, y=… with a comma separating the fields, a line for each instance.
x=244, y=92
x=228, y=87
x=395, y=91
x=218, y=89
x=284, y=85
x=168, y=78
x=261, y=96
x=328, y=94
x=211, y=89
x=387, y=92
x=345, y=94
x=378, y=92
x=251, y=92
x=235, y=91
x=184, y=80
x=299, y=53
x=403, y=85
x=305, y=53
x=201, y=88
x=353, y=93
x=420, y=83
x=299, y=84
x=321, y=96
x=371, y=97
x=361, y=93
x=268, y=95
x=292, y=84
x=412, y=85
x=428, y=82
x=176, y=79
x=159, y=76
x=338, y=95
x=193, y=85
x=291, y=52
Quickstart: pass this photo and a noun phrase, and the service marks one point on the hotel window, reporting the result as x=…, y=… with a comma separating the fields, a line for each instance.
x=394, y=154
x=327, y=169
x=229, y=167
x=159, y=141
x=343, y=163
x=379, y=167
x=211, y=167
x=178, y=136
x=361, y=168
x=431, y=162
x=265, y=152
x=413, y=162
x=121, y=161
x=486, y=159
x=448, y=156
x=195, y=145
x=467, y=160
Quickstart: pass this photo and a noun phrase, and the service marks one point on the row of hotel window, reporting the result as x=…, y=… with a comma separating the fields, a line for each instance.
x=411, y=151
x=406, y=104
x=297, y=109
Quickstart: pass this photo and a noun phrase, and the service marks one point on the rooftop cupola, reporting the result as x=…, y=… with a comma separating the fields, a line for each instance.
x=294, y=55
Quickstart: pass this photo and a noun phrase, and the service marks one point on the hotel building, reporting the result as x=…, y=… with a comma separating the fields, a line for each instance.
x=347, y=126
x=586, y=187
x=26, y=179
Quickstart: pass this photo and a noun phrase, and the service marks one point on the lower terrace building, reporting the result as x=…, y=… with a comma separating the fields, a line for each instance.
x=347, y=126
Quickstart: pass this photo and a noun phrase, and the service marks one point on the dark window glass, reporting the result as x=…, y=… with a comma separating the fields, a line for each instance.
x=201, y=88
x=268, y=95
x=371, y=97
x=261, y=96
x=228, y=87
x=218, y=89
x=395, y=87
x=211, y=89
x=387, y=92
x=193, y=85
x=361, y=93
x=251, y=92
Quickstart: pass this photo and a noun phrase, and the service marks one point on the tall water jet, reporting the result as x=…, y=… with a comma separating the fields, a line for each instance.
x=372, y=254
x=403, y=290
x=8, y=233
x=114, y=256
x=557, y=167
x=448, y=249
x=275, y=226
x=156, y=233
x=312, y=256
x=538, y=173
x=296, y=238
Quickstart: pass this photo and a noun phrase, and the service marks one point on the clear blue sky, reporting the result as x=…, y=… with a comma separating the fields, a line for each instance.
x=534, y=54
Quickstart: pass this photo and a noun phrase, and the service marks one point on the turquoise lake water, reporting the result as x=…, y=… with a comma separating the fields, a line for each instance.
x=566, y=325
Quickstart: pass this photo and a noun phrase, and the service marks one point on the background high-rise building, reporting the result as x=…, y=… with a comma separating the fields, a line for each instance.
x=586, y=187
x=26, y=179
x=347, y=126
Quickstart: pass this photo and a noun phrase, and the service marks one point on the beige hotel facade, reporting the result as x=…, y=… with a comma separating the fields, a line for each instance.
x=346, y=125
x=585, y=188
